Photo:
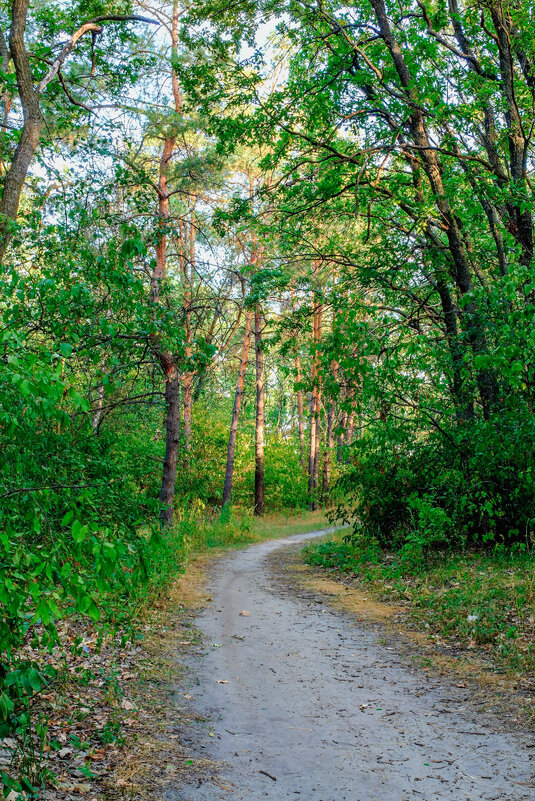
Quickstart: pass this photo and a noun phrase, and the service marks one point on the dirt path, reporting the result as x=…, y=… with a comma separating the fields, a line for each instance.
x=299, y=701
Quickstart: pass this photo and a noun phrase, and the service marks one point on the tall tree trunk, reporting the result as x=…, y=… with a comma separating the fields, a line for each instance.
x=31, y=129
x=327, y=455
x=189, y=241
x=229, y=472
x=342, y=422
x=317, y=442
x=350, y=431
x=486, y=378
x=172, y=425
x=315, y=407
x=312, y=446
x=300, y=402
x=521, y=214
x=167, y=360
x=259, y=426
x=97, y=411
x=300, y=410
x=340, y=440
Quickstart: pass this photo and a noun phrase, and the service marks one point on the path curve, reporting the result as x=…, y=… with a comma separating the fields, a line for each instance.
x=320, y=708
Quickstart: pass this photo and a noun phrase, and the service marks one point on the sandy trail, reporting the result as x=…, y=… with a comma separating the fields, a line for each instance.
x=319, y=707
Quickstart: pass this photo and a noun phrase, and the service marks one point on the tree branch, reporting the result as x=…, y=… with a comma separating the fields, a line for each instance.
x=91, y=26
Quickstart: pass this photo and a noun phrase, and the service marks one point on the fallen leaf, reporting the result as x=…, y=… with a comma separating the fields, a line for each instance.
x=245, y=613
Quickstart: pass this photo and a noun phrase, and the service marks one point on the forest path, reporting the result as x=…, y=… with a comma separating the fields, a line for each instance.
x=319, y=707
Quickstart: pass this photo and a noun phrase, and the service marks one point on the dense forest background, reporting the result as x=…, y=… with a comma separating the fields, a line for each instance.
x=256, y=256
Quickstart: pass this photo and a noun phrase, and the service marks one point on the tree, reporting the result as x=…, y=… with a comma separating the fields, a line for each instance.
x=229, y=472
x=30, y=99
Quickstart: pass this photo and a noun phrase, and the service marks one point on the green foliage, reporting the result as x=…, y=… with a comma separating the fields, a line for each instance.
x=312, y=177
x=429, y=494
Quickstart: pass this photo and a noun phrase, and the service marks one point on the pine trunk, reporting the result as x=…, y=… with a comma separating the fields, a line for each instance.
x=300, y=411
x=167, y=360
x=327, y=456
x=259, y=427
x=317, y=442
x=312, y=449
x=315, y=407
x=172, y=426
x=229, y=472
x=300, y=402
x=189, y=242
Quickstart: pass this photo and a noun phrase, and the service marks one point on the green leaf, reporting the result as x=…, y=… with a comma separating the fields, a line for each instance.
x=94, y=612
x=65, y=348
x=67, y=517
x=79, y=532
x=34, y=680
x=84, y=602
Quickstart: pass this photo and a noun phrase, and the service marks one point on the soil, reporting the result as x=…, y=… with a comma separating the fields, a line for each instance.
x=293, y=698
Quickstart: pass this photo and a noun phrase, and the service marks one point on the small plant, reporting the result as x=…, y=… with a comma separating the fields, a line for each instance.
x=111, y=733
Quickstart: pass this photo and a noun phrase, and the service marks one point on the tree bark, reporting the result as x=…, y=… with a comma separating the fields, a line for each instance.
x=342, y=423
x=229, y=472
x=167, y=360
x=300, y=411
x=300, y=401
x=327, y=454
x=31, y=129
x=259, y=425
x=521, y=218
x=312, y=447
x=486, y=378
x=317, y=442
x=31, y=109
x=350, y=431
x=97, y=411
x=189, y=242
x=172, y=425
x=315, y=407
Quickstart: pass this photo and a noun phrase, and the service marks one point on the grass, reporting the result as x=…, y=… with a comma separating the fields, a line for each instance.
x=244, y=529
x=471, y=600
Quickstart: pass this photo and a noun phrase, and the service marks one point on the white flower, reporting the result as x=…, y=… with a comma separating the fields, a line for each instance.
x=472, y=618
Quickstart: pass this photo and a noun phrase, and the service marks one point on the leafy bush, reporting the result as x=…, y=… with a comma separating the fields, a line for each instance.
x=434, y=493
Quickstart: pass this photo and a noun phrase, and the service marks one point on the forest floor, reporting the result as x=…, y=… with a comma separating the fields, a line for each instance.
x=267, y=680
